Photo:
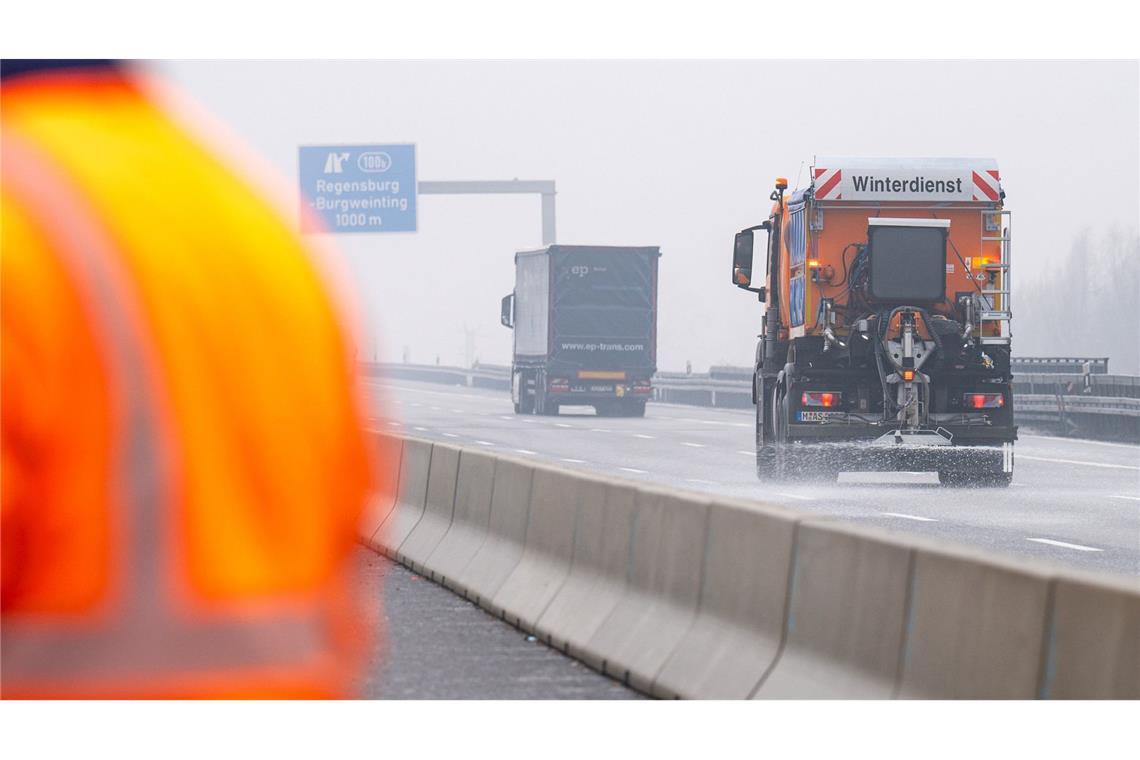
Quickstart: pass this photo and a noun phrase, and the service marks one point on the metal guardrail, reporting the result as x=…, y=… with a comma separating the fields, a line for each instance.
x=1064, y=364
x=1091, y=406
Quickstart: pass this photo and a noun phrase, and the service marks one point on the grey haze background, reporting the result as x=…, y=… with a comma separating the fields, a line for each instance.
x=682, y=154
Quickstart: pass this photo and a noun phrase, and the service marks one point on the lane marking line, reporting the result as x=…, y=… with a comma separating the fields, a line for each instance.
x=1065, y=545
x=598, y=430
x=436, y=408
x=1080, y=440
x=528, y=452
x=905, y=516
x=643, y=435
x=393, y=423
x=572, y=461
x=702, y=482
x=450, y=435
x=505, y=417
x=1079, y=461
x=421, y=429
x=693, y=445
x=797, y=496
x=484, y=443
x=1121, y=496
x=634, y=469
x=459, y=411
x=747, y=453
x=562, y=425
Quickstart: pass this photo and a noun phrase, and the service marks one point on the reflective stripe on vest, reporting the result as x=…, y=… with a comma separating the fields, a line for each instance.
x=143, y=636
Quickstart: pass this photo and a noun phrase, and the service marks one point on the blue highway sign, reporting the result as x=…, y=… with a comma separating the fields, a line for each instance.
x=358, y=188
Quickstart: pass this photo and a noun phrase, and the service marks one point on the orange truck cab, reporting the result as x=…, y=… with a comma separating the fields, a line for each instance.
x=885, y=340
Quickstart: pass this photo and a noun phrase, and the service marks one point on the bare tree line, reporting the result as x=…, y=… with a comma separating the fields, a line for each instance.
x=1087, y=305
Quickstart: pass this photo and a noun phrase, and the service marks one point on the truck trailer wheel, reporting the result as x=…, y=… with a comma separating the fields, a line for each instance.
x=526, y=396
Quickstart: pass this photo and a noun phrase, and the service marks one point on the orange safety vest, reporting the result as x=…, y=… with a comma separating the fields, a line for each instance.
x=184, y=453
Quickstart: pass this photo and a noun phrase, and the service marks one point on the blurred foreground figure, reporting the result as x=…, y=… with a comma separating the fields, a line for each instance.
x=184, y=459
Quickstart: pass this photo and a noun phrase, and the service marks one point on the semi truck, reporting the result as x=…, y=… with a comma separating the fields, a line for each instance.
x=885, y=332
x=585, y=328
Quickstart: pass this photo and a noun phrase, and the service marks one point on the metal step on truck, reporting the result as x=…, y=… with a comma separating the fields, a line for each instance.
x=885, y=334
x=585, y=328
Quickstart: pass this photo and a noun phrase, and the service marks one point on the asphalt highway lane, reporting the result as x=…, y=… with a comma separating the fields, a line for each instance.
x=1072, y=502
x=438, y=645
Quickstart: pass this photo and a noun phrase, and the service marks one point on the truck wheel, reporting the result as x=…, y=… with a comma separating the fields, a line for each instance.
x=765, y=445
x=526, y=398
x=633, y=409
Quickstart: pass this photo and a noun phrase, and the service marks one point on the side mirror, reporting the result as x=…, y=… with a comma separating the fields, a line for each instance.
x=507, y=311
x=742, y=255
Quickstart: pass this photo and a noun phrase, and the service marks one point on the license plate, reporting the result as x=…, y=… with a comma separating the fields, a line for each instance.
x=817, y=416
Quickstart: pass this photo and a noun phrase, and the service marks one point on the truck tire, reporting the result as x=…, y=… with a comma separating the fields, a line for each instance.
x=795, y=461
x=635, y=409
x=526, y=398
x=765, y=445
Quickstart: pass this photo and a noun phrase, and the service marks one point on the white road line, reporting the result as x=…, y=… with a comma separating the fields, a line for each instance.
x=1065, y=545
x=905, y=516
x=746, y=453
x=634, y=469
x=702, y=482
x=416, y=404
x=505, y=417
x=1079, y=461
x=528, y=452
x=562, y=425
x=643, y=435
x=1081, y=440
x=796, y=496
x=693, y=445
x=598, y=430
x=572, y=461
x=450, y=435
x=484, y=443
x=421, y=429
x=1121, y=496
x=436, y=408
x=393, y=423
x=459, y=411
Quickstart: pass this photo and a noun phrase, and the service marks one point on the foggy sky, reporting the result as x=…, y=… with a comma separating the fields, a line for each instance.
x=675, y=154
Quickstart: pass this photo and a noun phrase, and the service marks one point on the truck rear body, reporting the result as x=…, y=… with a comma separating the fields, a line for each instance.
x=887, y=319
x=585, y=322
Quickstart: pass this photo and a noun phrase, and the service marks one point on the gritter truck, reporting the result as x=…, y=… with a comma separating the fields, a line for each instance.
x=885, y=333
x=585, y=328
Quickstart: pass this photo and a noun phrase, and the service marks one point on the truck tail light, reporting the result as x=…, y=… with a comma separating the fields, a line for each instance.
x=826, y=399
x=984, y=400
x=642, y=386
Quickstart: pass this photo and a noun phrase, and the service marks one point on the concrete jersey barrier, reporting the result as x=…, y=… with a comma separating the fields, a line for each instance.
x=846, y=611
x=682, y=596
x=492, y=564
x=603, y=530
x=439, y=503
x=740, y=618
x=471, y=514
x=660, y=598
